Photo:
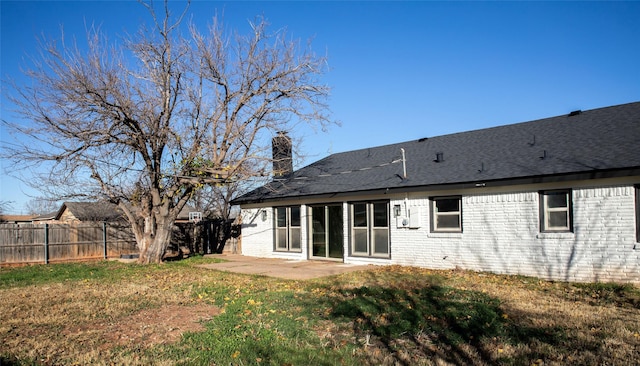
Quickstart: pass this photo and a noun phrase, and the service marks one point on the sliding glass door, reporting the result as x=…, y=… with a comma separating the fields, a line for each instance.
x=327, y=235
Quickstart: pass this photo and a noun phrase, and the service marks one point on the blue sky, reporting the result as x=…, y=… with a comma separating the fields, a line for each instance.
x=399, y=70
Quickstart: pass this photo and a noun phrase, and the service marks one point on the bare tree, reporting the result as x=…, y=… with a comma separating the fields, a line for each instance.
x=149, y=121
x=216, y=199
x=41, y=206
x=5, y=206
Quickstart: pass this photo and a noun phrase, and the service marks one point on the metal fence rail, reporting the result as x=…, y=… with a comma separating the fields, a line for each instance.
x=44, y=243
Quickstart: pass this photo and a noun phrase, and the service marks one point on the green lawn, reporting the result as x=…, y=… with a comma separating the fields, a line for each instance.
x=177, y=313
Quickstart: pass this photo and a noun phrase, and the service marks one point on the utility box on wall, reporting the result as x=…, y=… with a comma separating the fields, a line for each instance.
x=412, y=220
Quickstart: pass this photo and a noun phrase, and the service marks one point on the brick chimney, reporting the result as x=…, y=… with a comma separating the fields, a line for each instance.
x=282, y=158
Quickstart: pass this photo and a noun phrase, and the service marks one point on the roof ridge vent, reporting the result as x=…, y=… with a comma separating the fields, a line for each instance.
x=575, y=113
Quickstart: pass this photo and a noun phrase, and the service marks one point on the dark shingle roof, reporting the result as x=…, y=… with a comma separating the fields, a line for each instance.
x=599, y=140
x=92, y=211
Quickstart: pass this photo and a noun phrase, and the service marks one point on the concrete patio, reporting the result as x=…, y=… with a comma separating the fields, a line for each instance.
x=281, y=268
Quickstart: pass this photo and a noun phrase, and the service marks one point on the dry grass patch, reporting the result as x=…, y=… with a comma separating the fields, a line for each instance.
x=90, y=321
x=148, y=327
x=403, y=315
x=180, y=314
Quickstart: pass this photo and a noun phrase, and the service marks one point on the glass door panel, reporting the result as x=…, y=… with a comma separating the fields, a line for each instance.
x=336, y=232
x=327, y=232
x=318, y=232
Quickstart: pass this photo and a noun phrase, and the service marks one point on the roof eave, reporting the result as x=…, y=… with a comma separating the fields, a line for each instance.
x=537, y=179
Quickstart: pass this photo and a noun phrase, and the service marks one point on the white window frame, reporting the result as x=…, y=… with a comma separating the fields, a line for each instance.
x=637, y=192
x=435, y=214
x=370, y=230
x=289, y=230
x=546, y=211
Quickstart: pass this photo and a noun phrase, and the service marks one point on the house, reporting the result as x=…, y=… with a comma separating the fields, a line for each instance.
x=556, y=198
x=77, y=212
x=47, y=218
x=188, y=214
x=73, y=213
x=16, y=219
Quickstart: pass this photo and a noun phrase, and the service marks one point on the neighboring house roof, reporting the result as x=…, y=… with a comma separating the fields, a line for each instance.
x=15, y=219
x=46, y=217
x=101, y=211
x=90, y=211
x=183, y=215
x=588, y=144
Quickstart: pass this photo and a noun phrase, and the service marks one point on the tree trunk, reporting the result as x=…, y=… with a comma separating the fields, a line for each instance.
x=154, y=243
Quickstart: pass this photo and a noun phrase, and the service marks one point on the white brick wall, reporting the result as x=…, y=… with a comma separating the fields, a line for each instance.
x=500, y=234
x=258, y=235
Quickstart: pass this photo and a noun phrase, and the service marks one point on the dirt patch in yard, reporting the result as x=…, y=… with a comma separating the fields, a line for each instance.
x=148, y=327
x=97, y=321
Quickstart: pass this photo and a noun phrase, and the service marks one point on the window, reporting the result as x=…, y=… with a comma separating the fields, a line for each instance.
x=446, y=214
x=555, y=211
x=370, y=229
x=287, y=233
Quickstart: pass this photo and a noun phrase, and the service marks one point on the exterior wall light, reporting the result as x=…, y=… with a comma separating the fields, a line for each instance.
x=264, y=215
x=396, y=210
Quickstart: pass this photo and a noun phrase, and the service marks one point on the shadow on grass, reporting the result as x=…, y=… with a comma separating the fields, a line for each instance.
x=12, y=361
x=407, y=322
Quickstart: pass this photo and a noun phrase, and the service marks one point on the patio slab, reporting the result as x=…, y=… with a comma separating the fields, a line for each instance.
x=281, y=268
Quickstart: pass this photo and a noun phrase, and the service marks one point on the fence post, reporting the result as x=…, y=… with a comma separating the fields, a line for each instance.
x=104, y=238
x=46, y=243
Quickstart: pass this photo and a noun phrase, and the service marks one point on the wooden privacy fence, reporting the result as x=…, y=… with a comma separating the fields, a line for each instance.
x=207, y=237
x=44, y=243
